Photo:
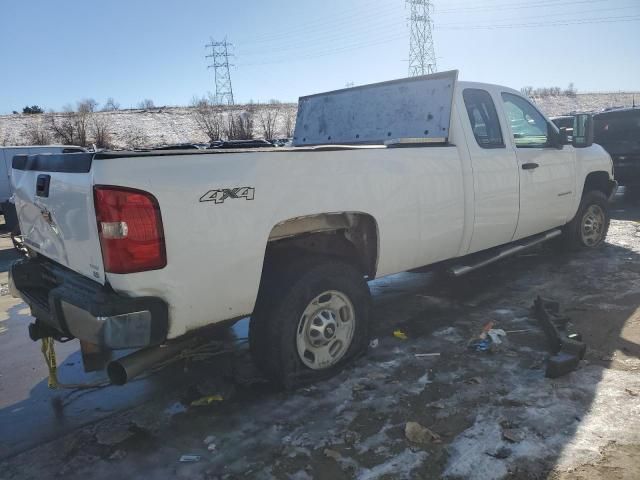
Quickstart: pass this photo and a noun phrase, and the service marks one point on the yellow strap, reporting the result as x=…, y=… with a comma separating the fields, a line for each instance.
x=49, y=353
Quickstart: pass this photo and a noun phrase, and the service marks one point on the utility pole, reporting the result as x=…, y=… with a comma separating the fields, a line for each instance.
x=220, y=64
x=422, y=55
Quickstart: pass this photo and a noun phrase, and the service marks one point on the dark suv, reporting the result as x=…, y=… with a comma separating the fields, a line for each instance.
x=618, y=131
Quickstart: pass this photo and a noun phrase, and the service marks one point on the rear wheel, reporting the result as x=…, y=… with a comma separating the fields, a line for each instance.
x=589, y=227
x=315, y=321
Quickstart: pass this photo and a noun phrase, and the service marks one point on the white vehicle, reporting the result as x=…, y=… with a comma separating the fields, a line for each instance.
x=139, y=249
x=6, y=156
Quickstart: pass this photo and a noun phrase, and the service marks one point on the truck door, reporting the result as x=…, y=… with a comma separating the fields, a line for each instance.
x=547, y=174
x=495, y=172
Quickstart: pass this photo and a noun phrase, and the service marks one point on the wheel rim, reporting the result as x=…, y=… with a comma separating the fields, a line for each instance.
x=592, y=228
x=325, y=330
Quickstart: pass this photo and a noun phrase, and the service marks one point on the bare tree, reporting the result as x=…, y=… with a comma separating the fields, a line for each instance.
x=571, y=90
x=146, y=104
x=289, y=121
x=87, y=105
x=526, y=91
x=239, y=125
x=209, y=117
x=268, y=116
x=100, y=131
x=70, y=127
x=111, y=105
x=38, y=134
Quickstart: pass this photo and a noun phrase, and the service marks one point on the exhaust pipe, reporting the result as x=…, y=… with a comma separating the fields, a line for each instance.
x=124, y=369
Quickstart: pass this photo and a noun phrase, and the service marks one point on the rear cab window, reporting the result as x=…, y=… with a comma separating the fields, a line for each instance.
x=483, y=118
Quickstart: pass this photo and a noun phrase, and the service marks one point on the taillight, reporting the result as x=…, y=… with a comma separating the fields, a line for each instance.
x=130, y=229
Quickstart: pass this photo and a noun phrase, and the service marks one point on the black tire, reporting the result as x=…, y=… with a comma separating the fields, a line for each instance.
x=573, y=237
x=284, y=296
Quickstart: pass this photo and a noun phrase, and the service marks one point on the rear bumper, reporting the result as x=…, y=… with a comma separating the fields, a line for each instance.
x=71, y=305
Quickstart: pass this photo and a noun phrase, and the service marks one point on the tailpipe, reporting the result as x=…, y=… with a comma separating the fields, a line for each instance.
x=122, y=370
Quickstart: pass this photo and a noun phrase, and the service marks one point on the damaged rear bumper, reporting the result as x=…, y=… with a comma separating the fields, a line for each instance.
x=67, y=304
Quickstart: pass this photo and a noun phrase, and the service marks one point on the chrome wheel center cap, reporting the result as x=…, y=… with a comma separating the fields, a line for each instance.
x=323, y=328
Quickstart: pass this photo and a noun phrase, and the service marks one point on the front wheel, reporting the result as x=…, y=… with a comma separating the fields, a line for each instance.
x=315, y=323
x=589, y=227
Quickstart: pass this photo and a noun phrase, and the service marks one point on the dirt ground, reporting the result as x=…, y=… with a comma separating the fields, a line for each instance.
x=492, y=415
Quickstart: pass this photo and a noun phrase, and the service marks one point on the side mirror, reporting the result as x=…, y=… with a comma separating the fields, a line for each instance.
x=564, y=136
x=582, y=130
x=557, y=136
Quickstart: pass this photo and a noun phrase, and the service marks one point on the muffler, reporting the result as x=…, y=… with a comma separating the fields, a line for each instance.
x=122, y=370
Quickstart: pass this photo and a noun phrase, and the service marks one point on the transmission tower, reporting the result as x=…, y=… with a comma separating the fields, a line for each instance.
x=220, y=64
x=422, y=56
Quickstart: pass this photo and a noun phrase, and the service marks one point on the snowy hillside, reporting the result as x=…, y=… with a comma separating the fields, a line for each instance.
x=586, y=102
x=159, y=126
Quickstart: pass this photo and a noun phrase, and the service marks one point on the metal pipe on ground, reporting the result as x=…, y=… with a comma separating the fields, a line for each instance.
x=122, y=370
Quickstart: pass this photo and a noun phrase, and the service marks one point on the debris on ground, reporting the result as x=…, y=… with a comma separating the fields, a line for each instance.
x=512, y=435
x=374, y=343
x=189, y=458
x=631, y=392
x=208, y=400
x=488, y=339
x=476, y=380
x=480, y=345
x=417, y=433
x=565, y=343
x=511, y=432
x=400, y=335
x=332, y=454
x=501, y=453
x=422, y=355
x=351, y=437
x=494, y=334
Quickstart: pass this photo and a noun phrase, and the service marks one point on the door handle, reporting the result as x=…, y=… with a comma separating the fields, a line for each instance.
x=42, y=185
x=529, y=166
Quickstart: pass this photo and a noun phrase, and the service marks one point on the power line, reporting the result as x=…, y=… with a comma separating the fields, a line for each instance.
x=560, y=23
x=339, y=20
x=220, y=58
x=381, y=26
x=519, y=6
x=383, y=40
x=422, y=55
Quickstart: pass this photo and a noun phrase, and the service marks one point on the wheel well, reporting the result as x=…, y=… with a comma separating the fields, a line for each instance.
x=352, y=236
x=598, y=181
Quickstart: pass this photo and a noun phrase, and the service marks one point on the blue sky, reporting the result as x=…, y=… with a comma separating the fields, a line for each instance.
x=55, y=52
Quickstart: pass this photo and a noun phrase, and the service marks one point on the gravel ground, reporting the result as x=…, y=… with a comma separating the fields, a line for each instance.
x=487, y=415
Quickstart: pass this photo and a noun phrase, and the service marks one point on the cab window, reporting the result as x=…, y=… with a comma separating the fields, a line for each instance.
x=528, y=126
x=483, y=118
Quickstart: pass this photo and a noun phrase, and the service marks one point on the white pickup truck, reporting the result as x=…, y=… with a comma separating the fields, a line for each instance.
x=144, y=249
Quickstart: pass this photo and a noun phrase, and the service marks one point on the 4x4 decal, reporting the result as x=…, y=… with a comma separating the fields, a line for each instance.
x=220, y=195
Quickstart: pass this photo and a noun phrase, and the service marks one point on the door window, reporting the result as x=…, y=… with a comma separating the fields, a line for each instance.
x=483, y=118
x=528, y=126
